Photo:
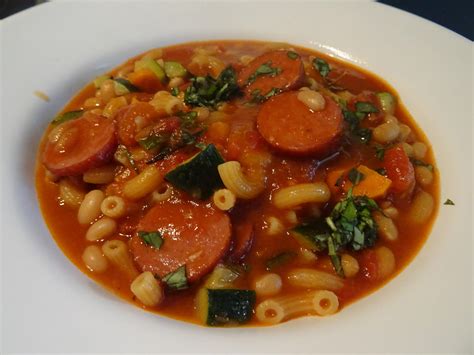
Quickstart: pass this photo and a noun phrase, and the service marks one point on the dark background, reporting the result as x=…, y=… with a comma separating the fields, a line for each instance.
x=457, y=15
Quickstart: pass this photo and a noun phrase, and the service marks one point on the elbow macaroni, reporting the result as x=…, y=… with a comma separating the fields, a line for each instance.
x=292, y=196
x=116, y=251
x=143, y=184
x=311, y=278
x=224, y=199
x=147, y=289
x=276, y=310
x=234, y=179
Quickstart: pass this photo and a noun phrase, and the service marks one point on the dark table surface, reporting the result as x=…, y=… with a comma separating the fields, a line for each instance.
x=457, y=15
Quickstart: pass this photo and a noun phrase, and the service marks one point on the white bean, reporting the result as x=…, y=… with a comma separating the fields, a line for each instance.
x=268, y=285
x=419, y=150
x=101, y=229
x=312, y=99
x=90, y=207
x=423, y=176
x=387, y=229
x=422, y=207
x=386, y=132
x=94, y=259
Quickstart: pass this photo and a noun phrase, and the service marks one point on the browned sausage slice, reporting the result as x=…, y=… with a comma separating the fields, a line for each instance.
x=194, y=234
x=290, y=126
x=287, y=73
x=78, y=145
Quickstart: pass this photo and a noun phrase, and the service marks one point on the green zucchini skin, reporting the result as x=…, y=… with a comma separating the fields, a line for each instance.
x=198, y=176
x=229, y=306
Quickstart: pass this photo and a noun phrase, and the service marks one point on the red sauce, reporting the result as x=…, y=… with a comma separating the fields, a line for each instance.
x=237, y=138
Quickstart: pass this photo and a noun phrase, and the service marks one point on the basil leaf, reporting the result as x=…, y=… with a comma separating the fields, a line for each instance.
x=381, y=171
x=151, y=238
x=258, y=98
x=264, y=69
x=209, y=92
x=379, y=152
x=124, y=157
x=292, y=55
x=321, y=66
x=355, y=176
x=188, y=119
x=67, y=116
x=152, y=142
x=177, y=279
x=279, y=260
x=365, y=107
x=175, y=91
x=448, y=202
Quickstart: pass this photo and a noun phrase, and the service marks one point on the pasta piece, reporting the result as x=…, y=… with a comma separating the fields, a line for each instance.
x=94, y=259
x=117, y=252
x=70, y=194
x=307, y=256
x=166, y=104
x=268, y=285
x=147, y=289
x=162, y=194
x=143, y=184
x=274, y=226
x=325, y=302
x=224, y=199
x=292, y=196
x=90, y=207
x=234, y=179
x=113, y=106
x=101, y=229
x=311, y=278
x=113, y=206
x=101, y=175
x=276, y=310
x=292, y=217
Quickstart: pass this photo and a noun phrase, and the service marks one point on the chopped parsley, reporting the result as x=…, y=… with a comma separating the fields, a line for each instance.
x=175, y=91
x=365, y=107
x=381, y=171
x=354, y=118
x=264, y=69
x=350, y=225
x=67, y=116
x=292, y=55
x=188, y=119
x=448, y=202
x=153, y=142
x=124, y=157
x=206, y=91
x=257, y=97
x=151, y=238
x=279, y=259
x=355, y=176
x=379, y=152
x=177, y=279
x=321, y=66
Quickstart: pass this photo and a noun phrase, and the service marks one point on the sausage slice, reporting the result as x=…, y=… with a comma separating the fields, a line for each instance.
x=288, y=125
x=242, y=241
x=287, y=74
x=194, y=234
x=79, y=145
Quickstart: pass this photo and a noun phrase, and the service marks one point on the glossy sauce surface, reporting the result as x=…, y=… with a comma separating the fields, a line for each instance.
x=281, y=170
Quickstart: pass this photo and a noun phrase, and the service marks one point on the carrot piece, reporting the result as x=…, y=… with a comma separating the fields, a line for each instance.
x=145, y=80
x=399, y=169
x=373, y=185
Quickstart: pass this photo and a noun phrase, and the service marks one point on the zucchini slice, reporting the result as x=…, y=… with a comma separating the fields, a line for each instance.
x=150, y=64
x=123, y=86
x=225, y=306
x=174, y=69
x=198, y=175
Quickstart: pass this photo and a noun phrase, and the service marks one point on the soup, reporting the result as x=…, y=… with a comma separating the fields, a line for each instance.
x=237, y=182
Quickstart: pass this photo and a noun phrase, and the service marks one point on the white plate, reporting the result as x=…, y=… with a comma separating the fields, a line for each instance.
x=50, y=306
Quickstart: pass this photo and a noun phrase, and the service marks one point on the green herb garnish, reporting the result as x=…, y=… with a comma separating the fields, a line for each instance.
x=153, y=141
x=292, y=55
x=188, y=119
x=177, y=279
x=67, y=116
x=355, y=176
x=379, y=152
x=365, y=107
x=124, y=157
x=321, y=66
x=381, y=171
x=258, y=98
x=175, y=91
x=448, y=202
x=206, y=91
x=264, y=69
x=279, y=259
x=151, y=238
x=350, y=225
